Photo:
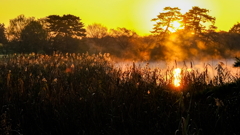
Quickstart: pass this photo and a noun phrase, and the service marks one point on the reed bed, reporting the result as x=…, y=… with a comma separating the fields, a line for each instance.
x=88, y=94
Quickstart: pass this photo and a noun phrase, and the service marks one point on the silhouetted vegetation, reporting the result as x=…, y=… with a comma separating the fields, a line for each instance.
x=195, y=38
x=88, y=94
x=33, y=38
x=50, y=85
x=3, y=39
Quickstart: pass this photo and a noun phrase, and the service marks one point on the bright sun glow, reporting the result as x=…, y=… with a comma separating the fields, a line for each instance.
x=175, y=26
x=177, y=77
x=184, y=5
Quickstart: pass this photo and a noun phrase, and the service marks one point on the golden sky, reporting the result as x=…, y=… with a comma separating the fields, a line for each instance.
x=131, y=14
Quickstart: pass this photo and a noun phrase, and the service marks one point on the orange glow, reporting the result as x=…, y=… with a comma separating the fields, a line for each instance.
x=177, y=77
x=132, y=14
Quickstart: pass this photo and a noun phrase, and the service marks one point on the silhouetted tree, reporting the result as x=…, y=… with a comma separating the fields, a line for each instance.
x=165, y=19
x=235, y=28
x=33, y=38
x=196, y=18
x=68, y=44
x=66, y=25
x=64, y=29
x=3, y=38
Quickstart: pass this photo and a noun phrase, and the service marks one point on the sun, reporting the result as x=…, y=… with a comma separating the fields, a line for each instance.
x=147, y=10
x=175, y=25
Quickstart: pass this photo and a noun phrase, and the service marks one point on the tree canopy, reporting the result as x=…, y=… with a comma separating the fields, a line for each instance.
x=195, y=20
x=66, y=25
x=3, y=38
x=16, y=26
x=165, y=19
x=64, y=32
x=235, y=28
x=33, y=37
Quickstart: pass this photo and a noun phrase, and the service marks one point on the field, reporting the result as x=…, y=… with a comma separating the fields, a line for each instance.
x=88, y=94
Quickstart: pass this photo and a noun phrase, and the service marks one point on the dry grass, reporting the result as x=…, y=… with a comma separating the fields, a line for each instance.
x=87, y=94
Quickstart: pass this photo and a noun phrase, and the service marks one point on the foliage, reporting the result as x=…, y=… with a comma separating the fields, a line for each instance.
x=192, y=21
x=3, y=38
x=195, y=18
x=16, y=26
x=33, y=38
x=64, y=32
x=66, y=25
x=65, y=44
x=196, y=38
x=164, y=20
x=235, y=28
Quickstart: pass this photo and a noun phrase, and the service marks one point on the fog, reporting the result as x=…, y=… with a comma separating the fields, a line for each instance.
x=197, y=66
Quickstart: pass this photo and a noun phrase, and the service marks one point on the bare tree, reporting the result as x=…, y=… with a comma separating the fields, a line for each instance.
x=16, y=26
x=96, y=30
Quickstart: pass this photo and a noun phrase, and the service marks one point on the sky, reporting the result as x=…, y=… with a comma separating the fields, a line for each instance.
x=135, y=15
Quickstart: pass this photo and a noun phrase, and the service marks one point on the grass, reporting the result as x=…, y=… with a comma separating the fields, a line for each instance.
x=88, y=94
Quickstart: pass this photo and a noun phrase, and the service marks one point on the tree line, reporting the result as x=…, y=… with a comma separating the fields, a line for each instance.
x=196, y=37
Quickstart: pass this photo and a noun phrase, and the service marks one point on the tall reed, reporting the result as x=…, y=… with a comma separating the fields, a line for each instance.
x=89, y=94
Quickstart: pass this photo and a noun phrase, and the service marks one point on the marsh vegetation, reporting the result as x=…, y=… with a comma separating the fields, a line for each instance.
x=88, y=94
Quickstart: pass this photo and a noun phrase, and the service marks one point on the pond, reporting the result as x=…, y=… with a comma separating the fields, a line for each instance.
x=213, y=68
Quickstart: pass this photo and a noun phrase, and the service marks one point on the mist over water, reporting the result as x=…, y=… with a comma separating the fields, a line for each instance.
x=198, y=66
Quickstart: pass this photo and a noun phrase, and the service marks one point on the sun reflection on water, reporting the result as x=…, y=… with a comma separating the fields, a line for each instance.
x=177, y=77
